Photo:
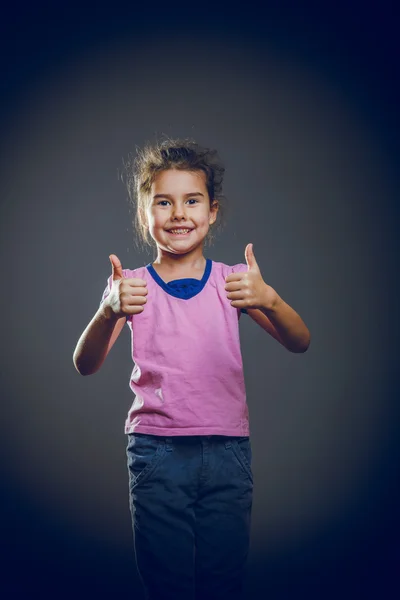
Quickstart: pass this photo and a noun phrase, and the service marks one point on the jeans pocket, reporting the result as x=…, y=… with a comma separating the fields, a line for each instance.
x=242, y=451
x=144, y=452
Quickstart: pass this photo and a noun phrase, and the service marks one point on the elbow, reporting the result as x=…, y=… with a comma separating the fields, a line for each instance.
x=300, y=350
x=80, y=368
x=301, y=347
x=83, y=372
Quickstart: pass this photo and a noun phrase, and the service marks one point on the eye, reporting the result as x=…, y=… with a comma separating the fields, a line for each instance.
x=189, y=200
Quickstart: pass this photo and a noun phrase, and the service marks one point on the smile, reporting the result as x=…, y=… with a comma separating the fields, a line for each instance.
x=180, y=232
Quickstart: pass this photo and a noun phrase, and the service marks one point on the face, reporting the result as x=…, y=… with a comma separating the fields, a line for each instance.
x=179, y=199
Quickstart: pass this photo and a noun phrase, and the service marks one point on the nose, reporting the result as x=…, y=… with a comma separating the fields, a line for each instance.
x=178, y=213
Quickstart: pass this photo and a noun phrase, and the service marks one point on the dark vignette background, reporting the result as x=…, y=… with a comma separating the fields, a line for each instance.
x=302, y=102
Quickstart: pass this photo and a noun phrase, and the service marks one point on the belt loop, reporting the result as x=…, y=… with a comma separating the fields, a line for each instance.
x=228, y=443
x=168, y=443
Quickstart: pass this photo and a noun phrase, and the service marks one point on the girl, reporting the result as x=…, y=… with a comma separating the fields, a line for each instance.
x=188, y=452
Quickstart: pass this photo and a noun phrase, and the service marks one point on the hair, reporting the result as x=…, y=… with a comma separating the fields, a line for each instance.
x=182, y=154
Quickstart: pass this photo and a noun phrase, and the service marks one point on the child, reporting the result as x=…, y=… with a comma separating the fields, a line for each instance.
x=188, y=452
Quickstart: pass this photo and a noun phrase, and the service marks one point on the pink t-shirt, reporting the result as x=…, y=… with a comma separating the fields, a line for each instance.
x=188, y=375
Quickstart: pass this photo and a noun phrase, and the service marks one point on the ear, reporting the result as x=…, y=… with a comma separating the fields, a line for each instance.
x=213, y=211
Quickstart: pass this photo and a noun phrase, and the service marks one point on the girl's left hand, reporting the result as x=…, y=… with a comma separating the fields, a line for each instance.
x=249, y=290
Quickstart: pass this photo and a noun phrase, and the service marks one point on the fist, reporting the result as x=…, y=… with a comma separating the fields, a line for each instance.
x=127, y=296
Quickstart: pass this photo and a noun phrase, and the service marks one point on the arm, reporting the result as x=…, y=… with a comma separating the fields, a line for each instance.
x=262, y=320
x=97, y=340
x=284, y=324
x=248, y=290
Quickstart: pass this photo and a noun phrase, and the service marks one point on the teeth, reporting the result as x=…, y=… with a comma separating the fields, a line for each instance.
x=179, y=230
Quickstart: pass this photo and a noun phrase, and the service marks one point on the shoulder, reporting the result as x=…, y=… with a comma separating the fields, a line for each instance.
x=239, y=268
x=224, y=270
x=138, y=272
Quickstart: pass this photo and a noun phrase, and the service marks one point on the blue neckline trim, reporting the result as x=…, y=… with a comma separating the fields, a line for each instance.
x=182, y=288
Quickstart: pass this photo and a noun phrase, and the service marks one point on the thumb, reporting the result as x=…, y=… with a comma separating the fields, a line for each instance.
x=250, y=258
x=116, y=267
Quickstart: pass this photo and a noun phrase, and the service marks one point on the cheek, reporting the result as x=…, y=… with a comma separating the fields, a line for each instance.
x=204, y=220
x=156, y=220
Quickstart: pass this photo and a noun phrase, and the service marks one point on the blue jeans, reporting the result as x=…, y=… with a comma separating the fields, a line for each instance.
x=190, y=499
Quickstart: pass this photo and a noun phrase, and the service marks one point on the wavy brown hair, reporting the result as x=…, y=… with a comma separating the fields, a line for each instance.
x=183, y=154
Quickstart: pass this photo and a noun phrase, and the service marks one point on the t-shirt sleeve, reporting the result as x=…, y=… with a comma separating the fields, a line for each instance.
x=240, y=268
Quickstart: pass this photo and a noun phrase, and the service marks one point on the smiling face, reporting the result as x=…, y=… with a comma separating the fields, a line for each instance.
x=179, y=199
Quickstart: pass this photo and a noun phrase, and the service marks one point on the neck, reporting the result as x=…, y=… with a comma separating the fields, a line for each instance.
x=179, y=262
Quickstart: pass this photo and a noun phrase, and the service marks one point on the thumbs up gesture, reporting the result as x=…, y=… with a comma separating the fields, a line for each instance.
x=249, y=290
x=127, y=296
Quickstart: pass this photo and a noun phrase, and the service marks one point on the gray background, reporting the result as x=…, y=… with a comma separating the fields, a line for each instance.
x=302, y=108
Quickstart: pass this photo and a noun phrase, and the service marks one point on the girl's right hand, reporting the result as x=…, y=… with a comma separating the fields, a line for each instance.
x=127, y=296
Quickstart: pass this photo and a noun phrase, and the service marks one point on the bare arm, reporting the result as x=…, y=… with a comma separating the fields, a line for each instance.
x=261, y=319
x=97, y=340
x=284, y=324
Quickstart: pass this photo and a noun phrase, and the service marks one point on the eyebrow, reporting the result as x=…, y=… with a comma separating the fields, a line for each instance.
x=170, y=195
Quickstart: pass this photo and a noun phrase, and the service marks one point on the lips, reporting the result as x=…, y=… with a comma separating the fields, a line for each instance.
x=172, y=232
x=178, y=228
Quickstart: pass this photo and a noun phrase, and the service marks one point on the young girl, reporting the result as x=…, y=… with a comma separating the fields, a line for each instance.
x=188, y=452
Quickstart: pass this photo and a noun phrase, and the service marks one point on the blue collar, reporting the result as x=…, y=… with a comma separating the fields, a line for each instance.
x=182, y=288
